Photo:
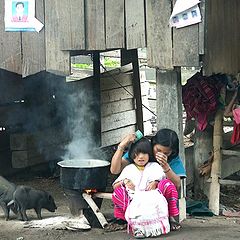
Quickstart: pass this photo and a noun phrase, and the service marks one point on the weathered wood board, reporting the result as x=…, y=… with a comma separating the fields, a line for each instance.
x=33, y=46
x=73, y=26
x=159, y=34
x=10, y=50
x=135, y=24
x=118, y=114
x=120, y=80
x=185, y=46
x=115, y=35
x=115, y=136
x=117, y=94
x=95, y=25
x=222, y=37
x=202, y=28
x=57, y=61
x=118, y=120
x=117, y=107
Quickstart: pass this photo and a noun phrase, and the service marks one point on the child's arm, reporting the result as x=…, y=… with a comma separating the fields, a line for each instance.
x=124, y=179
x=125, y=183
x=118, y=163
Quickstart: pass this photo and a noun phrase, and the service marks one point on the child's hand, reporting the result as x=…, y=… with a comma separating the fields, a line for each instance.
x=152, y=185
x=128, y=139
x=129, y=184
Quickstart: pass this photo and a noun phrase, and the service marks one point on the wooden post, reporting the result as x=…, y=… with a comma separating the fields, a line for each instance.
x=169, y=112
x=214, y=192
x=169, y=103
x=97, y=98
x=131, y=56
x=202, y=146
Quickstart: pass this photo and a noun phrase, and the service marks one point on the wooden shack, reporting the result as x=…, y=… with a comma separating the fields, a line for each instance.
x=93, y=26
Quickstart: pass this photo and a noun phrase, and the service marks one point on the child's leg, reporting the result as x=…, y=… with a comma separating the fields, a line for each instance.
x=120, y=200
x=169, y=191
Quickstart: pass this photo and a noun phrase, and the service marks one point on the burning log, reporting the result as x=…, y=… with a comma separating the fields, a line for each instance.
x=102, y=220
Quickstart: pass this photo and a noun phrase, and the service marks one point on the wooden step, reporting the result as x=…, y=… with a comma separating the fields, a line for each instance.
x=225, y=181
x=231, y=153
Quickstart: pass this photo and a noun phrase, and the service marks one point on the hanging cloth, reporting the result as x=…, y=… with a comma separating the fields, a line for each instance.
x=200, y=98
x=236, y=126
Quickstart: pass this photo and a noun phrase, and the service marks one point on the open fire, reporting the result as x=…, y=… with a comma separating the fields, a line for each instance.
x=90, y=191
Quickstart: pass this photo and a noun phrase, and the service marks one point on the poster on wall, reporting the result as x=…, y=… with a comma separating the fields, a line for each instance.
x=20, y=16
x=185, y=13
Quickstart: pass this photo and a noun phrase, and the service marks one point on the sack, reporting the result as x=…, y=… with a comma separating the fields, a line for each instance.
x=148, y=212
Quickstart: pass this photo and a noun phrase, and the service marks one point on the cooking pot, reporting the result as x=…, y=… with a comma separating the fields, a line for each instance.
x=80, y=174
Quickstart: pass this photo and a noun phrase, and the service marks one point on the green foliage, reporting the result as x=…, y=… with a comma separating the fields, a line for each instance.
x=82, y=65
x=108, y=62
x=111, y=63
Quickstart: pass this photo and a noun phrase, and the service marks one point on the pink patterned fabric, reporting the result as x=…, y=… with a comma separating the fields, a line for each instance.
x=121, y=199
x=236, y=115
x=235, y=139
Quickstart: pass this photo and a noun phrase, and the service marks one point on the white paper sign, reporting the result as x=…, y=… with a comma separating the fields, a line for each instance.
x=20, y=16
x=185, y=13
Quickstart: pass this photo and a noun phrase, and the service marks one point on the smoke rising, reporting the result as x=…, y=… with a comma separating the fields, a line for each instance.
x=80, y=122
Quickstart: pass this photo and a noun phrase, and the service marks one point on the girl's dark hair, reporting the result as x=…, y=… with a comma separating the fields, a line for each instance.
x=167, y=138
x=141, y=146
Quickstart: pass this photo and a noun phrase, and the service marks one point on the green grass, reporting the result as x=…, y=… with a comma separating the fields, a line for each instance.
x=82, y=65
x=109, y=62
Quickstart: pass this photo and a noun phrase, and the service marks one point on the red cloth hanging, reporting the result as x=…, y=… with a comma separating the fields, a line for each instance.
x=200, y=98
x=236, y=133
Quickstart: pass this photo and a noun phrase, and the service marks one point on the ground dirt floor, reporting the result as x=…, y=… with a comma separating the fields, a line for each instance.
x=193, y=228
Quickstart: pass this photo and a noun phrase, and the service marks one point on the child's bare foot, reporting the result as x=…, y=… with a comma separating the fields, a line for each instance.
x=175, y=226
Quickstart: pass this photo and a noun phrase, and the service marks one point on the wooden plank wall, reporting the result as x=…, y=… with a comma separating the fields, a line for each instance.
x=10, y=50
x=186, y=46
x=95, y=27
x=57, y=61
x=222, y=38
x=159, y=34
x=114, y=24
x=33, y=46
x=117, y=107
x=135, y=24
x=73, y=27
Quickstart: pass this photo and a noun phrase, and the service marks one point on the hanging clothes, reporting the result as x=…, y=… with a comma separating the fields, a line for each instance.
x=200, y=97
x=236, y=126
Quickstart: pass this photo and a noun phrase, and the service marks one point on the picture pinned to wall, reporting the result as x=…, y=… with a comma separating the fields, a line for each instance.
x=20, y=16
x=185, y=13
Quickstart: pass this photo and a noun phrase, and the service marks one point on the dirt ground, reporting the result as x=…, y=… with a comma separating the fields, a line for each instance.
x=193, y=228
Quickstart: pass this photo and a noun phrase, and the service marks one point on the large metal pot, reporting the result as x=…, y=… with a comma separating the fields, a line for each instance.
x=80, y=174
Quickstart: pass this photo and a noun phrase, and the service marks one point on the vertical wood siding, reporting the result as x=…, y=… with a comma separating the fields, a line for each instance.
x=135, y=24
x=33, y=46
x=114, y=24
x=222, y=37
x=159, y=39
x=57, y=61
x=10, y=47
x=95, y=27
